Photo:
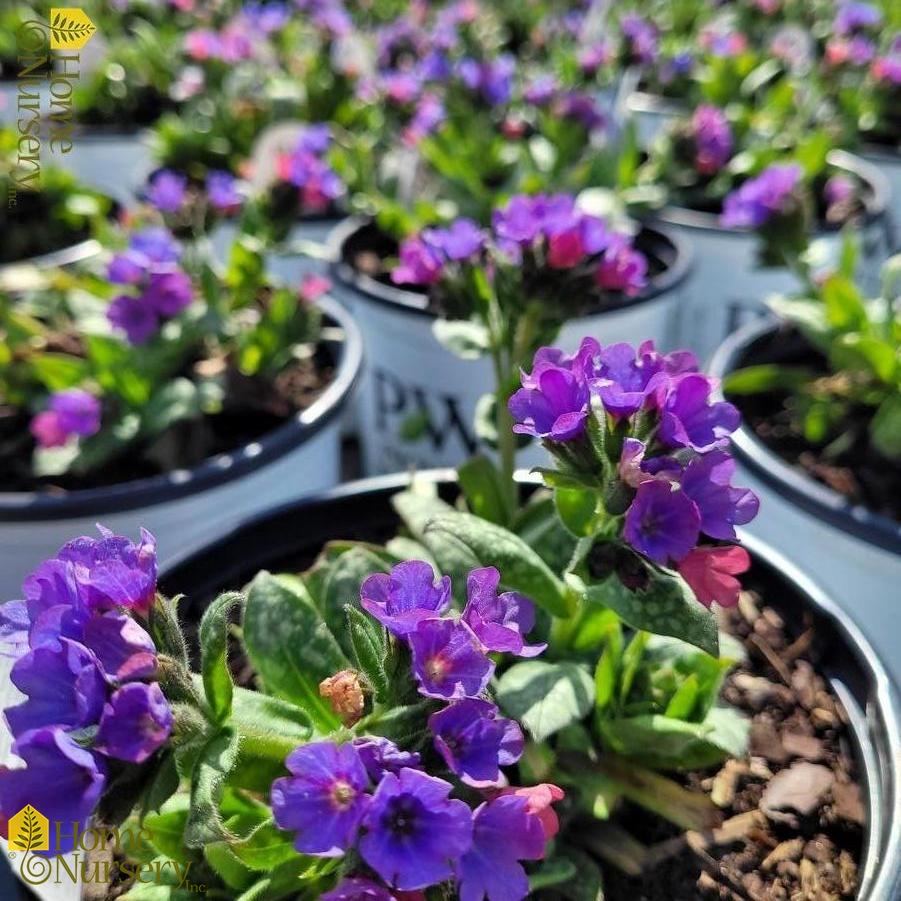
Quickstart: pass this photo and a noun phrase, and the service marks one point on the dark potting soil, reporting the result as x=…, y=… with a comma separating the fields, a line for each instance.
x=858, y=471
x=793, y=813
x=368, y=250
x=252, y=408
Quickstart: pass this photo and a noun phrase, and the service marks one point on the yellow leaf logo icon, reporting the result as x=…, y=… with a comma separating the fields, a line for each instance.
x=70, y=29
x=29, y=830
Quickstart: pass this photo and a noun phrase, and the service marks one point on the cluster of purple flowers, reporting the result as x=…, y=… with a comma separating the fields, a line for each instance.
x=87, y=669
x=673, y=467
x=306, y=168
x=150, y=267
x=713, y=139
x=70, y=413
x=171, y=192
x=550, y=229
x=640, y=38
x=370, y=795
x=770, y=194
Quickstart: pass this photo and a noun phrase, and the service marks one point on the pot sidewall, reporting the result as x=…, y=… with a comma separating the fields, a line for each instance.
x=411, y=381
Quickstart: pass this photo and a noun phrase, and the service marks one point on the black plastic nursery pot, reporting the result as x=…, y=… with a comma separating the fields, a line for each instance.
x=412, y=378
x=290, y=537
x=186, y=508
x=727, y=286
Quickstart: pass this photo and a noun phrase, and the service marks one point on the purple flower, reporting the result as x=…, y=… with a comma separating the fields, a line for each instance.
x=429, y=114
x=166, y=190
x=839, y=189
x=134, y=316
x=448, y=660
x=64, y=686
x=706, y=481
x=625, y=381
x=169, y=293
x=315, y=138
x=713, y=139
x=688, y=419
x=72, y=412
x=460, y=241
x=622, y=268
x=126, y=268
x=492, y=78
x=641, y=36
x=358, y=889
x=499, y=621
x=541, y=90
x=381, y=755
x=156, y=247
x=555, y=409
x=475, y=742
x=582, y=108
x=323, y=800
x=136, y=721
x=504, y=833
x=112, y=571
x=124, y=649
x=414, y=832
x=852, y=17
x=662, y=523
x=516, y=224
x=221, y=188
x=78, y=412
x=761, y=198
x=409, y=594
x=421, y=263
x=61, y=780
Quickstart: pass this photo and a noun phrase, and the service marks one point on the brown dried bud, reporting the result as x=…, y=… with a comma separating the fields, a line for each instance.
x=344, y=694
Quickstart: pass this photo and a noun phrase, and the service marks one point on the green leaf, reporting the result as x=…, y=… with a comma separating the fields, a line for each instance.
x=665, y=743
x=58, y=371
x=227, y=866
x=577, y=509
x=370, y=647
x=168, y=827
x=885, y=429
x=417, y=505
x=484, y=490
x=682, y=703
x=462, y=542
x=546, y=697
x=204, y=823
x=845, y=308
x=290, y=645
x=766, y=377
x=341, y=587
x=217, y=680
x=266, y=847
x=667, y=606
x=467, y=340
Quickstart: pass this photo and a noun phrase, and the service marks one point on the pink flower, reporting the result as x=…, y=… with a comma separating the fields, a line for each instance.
x=711, y=571
x=313, y=287
x=565, y=250
x=539, y=799
x=47, y=430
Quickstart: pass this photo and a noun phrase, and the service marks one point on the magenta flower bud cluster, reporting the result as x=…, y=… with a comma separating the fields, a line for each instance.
x=545, y=230
x=671, y=471
x=160, y=289
x=87, y=669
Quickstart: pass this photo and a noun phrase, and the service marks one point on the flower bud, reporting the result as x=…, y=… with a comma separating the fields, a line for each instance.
x=344, y=694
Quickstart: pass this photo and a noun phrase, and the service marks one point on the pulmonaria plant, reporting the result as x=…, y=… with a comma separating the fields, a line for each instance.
x=107, y=360
x=192, y=206
x=94, y=713
x=642, y=429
